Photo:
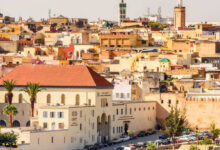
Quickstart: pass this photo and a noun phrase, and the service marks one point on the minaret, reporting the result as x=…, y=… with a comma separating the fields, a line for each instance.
x=179, y=15
x=122, y=12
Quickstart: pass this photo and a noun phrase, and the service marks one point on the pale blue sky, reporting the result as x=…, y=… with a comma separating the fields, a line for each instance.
x=197, y=10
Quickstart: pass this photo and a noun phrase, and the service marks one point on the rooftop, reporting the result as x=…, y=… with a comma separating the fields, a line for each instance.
x=57, y=76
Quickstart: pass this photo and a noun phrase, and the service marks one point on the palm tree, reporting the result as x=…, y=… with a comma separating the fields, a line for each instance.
x=9, y=86
x=10, y=111
x=214, y=132
x=32, y=89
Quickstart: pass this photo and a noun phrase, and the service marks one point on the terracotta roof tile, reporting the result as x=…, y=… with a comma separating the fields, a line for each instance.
x=52, y=75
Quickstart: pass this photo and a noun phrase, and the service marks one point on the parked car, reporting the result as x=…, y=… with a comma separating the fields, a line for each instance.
x=140, y=144
x=141, y=134
x=90, y=147
x=125, y=138
x=166, y=141
x=163, y=136
x=158, y=142
x=119, y=148
x=116, y=141
x=150, y=132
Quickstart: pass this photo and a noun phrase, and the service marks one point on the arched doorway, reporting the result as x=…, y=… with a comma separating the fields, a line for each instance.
x=16, y=123
x=28, y=124
x=104, y=128
x=2, y=123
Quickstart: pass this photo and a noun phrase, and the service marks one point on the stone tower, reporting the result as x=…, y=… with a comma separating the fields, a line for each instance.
x=122, y=11
x=179, y=15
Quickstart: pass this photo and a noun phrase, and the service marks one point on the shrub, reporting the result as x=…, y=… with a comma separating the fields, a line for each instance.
x=206, y=141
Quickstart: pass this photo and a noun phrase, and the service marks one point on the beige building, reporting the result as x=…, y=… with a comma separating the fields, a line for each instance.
x=74, y=110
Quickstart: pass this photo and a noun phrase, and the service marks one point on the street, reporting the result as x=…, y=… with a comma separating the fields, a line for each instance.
x=139, y=139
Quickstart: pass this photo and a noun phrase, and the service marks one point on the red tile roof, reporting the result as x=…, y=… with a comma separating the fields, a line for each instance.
x=52, y=75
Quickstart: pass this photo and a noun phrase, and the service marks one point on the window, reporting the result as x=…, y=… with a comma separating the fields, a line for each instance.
x=51, y=139
x=116, y=111
x=144, y=108
x=81, y=114
x=80, y=127
x=104, y=102
x=20, y=98
x=52, y=114
x=77, y=100
x=93, y=138
x=45, y=114
x=117, y=95
x=72, y=139
x=113, y=118
x=60, y=125
x=139, y=108
x=80, y=140
x=6, y=98
x=93, y=113
x=128, y=95
x=148, y=108
x=93, y=126
x=63, y=99
x=153, y=108
x=161, y=101
x=122, y=95
x=121, y=111
x=74, y=113
x=113, y=130
x=48, y=98
x=60, y=114
x=134, y=109
x=169, y=102
x=44, y=125
x=89, y=102
x=126, y=111
x=130, y=111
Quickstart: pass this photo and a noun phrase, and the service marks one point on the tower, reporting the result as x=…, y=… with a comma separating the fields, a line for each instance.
x=122, y=11
x=179, y=15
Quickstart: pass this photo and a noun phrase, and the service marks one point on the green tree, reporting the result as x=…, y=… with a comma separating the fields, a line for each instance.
x=175, y=124
x=32, y=89
x=10, y=111
x=214, y=132
x=9, y=86
x=193, y=147
x=151, y=146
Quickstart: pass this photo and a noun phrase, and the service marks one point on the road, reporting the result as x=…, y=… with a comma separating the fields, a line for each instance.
x=139, y=139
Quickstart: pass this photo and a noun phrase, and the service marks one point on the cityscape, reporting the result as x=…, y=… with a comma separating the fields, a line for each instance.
x=144, y=83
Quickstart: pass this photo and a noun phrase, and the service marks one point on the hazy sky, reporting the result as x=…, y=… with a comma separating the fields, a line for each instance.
x=197, y=10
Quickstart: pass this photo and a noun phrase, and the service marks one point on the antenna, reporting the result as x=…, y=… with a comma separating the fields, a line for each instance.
x=180, y=4
x=148, y=11
x=159, y=11
x=49, y=13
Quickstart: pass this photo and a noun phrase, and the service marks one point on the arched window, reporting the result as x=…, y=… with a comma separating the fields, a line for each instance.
x=28, y=124
x=20, y=98
x=48, y=98
x=63, y=99
x=2, y=123
x=77, y=100
x=16, y=123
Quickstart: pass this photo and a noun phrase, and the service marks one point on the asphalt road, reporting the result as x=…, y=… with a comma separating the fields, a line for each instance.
x=139, y=139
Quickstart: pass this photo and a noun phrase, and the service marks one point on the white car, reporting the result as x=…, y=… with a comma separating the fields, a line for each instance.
x=125, y=138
